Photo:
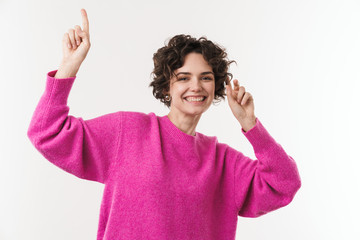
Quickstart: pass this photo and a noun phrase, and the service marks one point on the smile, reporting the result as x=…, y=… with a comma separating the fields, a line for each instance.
x=196, y=101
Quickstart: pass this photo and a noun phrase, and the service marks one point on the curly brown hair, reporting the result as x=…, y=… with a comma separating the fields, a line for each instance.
x=171, y=57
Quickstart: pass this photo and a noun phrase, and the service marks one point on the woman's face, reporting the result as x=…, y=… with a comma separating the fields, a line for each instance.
x=194, y=78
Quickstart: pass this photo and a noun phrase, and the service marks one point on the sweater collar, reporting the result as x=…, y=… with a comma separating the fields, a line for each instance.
x=177, y=134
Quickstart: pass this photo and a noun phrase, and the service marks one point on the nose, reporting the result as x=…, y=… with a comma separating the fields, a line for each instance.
x=195, y=84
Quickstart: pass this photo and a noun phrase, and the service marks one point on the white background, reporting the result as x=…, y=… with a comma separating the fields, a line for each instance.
x=299, y=59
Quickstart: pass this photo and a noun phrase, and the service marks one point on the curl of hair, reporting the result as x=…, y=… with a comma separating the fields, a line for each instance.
x=171, y=57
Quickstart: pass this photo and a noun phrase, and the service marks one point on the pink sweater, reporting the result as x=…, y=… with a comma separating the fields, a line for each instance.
x=161, y=183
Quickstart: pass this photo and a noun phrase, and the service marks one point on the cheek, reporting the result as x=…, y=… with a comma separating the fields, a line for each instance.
x=211, y=89
x=179, y=91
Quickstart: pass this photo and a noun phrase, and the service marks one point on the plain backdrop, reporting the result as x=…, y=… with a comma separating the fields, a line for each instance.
x=299, y=59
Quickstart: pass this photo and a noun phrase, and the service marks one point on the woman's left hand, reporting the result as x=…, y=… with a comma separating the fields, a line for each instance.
x=241, y=104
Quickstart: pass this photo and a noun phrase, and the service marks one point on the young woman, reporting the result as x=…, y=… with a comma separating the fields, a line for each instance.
x=164, y=180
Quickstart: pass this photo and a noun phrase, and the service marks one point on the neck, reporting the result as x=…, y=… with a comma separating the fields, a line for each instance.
x=186, y=123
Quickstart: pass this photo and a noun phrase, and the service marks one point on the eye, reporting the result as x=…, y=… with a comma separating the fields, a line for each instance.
x=180, y=79
x=207, y=78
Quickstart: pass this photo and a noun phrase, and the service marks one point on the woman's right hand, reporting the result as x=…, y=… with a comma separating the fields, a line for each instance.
x=76, y=44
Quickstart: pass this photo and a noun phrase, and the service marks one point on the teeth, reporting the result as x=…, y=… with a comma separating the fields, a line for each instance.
x=191, y=99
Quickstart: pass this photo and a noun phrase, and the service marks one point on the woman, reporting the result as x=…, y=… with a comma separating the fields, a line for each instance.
x=164, y=180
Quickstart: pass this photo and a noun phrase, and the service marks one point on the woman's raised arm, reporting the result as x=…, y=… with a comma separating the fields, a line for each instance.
x=84, y=148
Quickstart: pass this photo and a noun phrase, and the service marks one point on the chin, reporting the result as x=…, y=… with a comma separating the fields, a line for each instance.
x=195, y=112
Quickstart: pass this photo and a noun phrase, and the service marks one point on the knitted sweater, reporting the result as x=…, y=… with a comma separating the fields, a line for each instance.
x=161, y=183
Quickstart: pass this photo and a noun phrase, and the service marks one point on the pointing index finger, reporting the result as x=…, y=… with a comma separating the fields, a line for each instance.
x=85, y=20
x=227, y=81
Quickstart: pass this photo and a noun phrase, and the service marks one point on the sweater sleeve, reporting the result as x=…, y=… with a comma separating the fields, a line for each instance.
x=84, y=148
x=267, y=183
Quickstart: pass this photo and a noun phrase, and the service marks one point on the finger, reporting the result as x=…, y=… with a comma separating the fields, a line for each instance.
x=85, y=20
x=234, y=91
x=78, y=34
x=77, y=39
x=236, y=85
x=229, y=92
x=72, y=37
x=245, y=98
x=240, y=94
x=66, y=41
x=84, y=37
x=79, y=31
x=227, y=80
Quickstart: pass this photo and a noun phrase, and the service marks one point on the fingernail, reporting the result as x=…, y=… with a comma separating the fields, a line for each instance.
x=69, y=46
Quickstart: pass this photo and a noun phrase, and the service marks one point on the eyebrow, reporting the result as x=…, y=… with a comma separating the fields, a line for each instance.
x=203, y=73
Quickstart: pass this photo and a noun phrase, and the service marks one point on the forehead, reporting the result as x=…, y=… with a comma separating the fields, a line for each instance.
x=195, y=64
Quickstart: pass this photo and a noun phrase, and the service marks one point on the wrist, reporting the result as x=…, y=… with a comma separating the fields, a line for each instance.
x=248, y=123
x=66, y=70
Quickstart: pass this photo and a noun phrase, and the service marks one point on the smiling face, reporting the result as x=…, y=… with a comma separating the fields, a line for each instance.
x=194, y=78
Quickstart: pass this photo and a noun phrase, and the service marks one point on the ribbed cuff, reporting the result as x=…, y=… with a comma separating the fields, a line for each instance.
x=259, y=137
x=58, y=88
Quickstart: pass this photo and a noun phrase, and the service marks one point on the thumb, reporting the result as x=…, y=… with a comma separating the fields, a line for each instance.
x=79, y=31
x=82, y=34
